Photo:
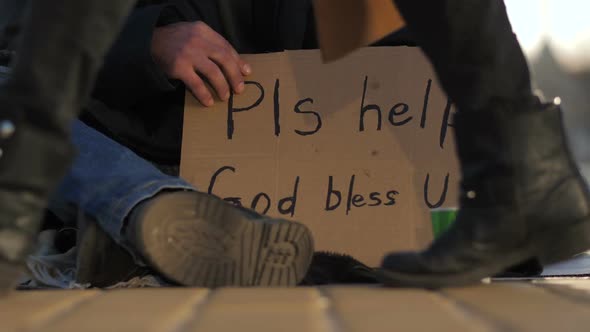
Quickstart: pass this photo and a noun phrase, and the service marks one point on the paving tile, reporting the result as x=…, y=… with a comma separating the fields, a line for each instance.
x=263, y=309
x=575, y=289
x=544, y=306
x=378, y=309
x=26, y=310
x=523, y=307
x=131, y=310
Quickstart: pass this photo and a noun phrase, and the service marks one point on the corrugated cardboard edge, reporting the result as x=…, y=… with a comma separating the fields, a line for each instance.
x=293, y=66
x=345, y=25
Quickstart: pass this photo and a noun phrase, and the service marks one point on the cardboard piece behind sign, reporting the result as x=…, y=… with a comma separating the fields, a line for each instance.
x=272, y=147
x=345, y=25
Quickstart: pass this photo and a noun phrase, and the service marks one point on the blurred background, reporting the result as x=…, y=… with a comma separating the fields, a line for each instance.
x=555, y=35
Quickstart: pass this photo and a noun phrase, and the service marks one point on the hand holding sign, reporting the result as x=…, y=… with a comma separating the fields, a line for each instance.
x=187, y=48
x=358, y=150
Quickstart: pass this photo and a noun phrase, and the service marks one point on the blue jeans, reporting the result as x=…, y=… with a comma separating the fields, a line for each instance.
x=106, y=181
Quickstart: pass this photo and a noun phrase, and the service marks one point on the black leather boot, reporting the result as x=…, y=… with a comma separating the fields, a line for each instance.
x=522, y=197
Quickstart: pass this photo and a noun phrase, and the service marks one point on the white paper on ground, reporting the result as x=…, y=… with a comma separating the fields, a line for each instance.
x=578, y=265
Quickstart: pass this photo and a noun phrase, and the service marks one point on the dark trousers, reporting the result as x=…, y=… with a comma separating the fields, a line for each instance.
x=473, y=50
x=60, y=51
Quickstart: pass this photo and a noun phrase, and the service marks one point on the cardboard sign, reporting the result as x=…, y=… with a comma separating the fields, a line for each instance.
x=345, y=25
x=359, y=149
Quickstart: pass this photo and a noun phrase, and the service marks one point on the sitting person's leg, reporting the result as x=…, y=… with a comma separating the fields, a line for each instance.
x=191, y=238
x=107, y=180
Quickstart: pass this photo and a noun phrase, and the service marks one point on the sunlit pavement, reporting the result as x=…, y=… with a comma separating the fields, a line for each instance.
x=554, y=305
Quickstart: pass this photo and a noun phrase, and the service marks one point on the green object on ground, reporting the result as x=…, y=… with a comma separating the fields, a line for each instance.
x=442, y=219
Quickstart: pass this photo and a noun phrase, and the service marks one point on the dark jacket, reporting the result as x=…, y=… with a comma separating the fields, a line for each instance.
x=133, y=101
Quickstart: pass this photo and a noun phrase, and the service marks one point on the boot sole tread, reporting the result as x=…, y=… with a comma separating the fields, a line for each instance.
x=199, y=240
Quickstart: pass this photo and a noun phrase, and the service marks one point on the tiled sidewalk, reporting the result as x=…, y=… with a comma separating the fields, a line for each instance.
x=561, y=305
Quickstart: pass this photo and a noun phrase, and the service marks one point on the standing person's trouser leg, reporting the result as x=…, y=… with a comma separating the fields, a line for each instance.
x=522, y=196
x=473, y=49
x=61, y=50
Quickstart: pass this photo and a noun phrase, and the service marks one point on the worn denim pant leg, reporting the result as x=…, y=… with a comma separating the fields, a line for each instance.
x=107, y=180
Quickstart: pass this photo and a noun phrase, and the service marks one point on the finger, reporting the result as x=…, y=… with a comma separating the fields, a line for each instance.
x=198, y=88
x=231, y=68
x=245, y=68
x=215, y=76
x=216, y=38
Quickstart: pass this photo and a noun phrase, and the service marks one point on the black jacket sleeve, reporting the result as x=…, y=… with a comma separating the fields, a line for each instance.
x=129, y=73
